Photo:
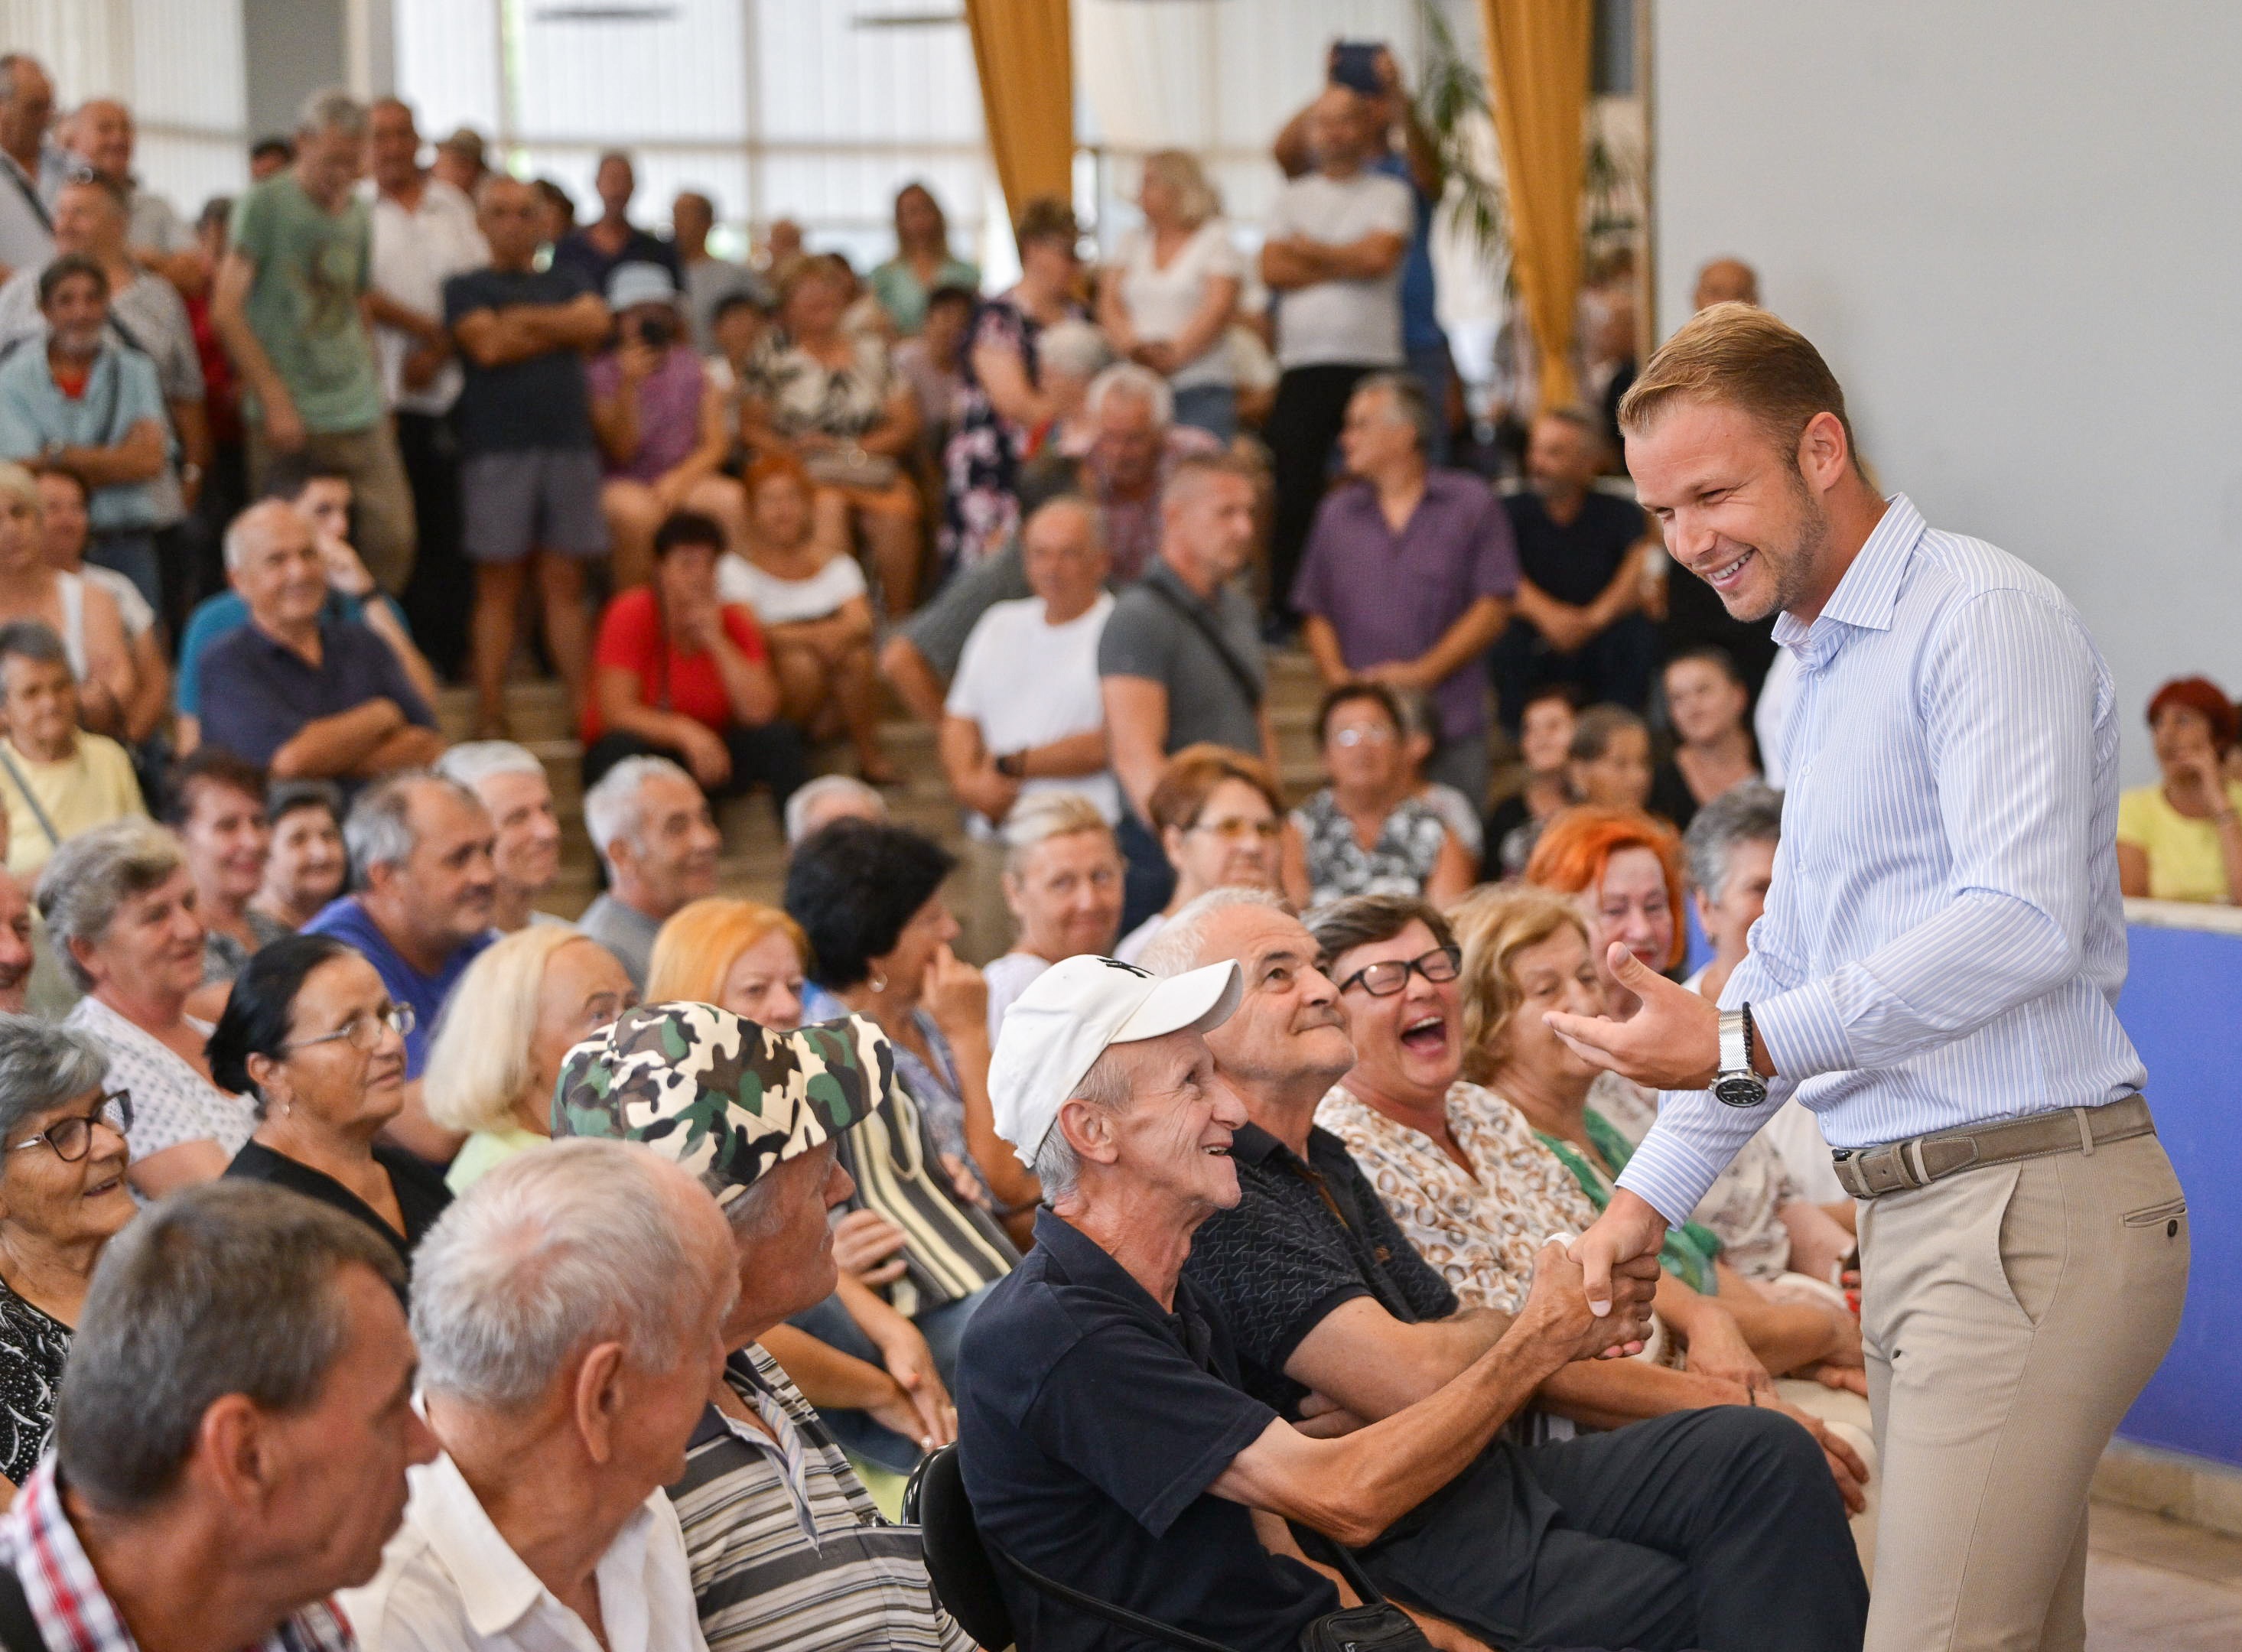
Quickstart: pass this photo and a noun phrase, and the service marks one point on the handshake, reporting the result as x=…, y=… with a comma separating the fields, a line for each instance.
x=1559, y=1320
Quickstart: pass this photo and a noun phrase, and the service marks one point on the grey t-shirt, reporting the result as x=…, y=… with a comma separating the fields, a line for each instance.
x=1147, y=637
x=1358, y=323
x=625, y=931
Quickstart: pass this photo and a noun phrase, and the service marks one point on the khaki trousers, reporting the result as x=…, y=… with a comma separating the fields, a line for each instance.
x=381, y=497
x=2010, y=1316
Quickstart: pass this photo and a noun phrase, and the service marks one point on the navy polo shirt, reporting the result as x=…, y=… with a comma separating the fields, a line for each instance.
x=1305, y=1236
x=1090, y=1423
x=258, y=692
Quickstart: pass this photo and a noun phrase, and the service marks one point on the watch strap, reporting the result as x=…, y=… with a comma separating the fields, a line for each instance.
x=1735, y=1041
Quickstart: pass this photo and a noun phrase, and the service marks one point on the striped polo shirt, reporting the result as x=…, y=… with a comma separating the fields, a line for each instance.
x=786, y=1545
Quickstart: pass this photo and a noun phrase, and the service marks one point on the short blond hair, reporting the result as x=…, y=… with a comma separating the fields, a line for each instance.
x=697, y=947
x=478, y=1062
x=1742, y=356
x=1045, y=815
x=1195, y=199
x=1494, y=926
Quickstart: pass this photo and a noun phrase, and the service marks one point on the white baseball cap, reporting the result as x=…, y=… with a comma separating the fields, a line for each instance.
x=1055, y=1030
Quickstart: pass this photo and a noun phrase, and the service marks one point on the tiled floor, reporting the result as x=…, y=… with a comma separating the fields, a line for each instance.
x=2154, y=1585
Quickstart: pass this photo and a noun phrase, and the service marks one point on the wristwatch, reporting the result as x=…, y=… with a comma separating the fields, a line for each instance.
x=1737, y=1081
x=1012, y=765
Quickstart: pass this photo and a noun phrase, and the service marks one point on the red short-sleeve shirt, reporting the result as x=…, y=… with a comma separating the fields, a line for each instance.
x=631, y=640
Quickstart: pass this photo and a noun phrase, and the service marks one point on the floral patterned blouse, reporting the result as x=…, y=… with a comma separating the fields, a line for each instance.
x=1743, y=1206
x=1407, y=849
x=1481, y=1228
x=981, y=466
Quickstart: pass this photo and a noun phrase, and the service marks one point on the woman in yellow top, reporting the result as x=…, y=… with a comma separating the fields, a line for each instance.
x=2181, y=839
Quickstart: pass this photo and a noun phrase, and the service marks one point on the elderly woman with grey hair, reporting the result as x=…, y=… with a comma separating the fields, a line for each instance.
x=119, y=905
x=61, y=1198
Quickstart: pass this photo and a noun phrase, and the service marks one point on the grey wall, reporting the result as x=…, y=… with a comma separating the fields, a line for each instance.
x=2014, y=233
x=292, y=47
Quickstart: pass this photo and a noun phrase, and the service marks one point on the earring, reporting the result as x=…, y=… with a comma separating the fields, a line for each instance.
x=877, y=982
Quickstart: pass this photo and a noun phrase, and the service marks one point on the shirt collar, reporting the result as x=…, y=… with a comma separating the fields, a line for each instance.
x=1251, y=1144
x=1868, y=593
x=496, y=1589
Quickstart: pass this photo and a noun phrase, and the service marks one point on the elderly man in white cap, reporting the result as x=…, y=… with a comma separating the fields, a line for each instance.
x=1104, y=1438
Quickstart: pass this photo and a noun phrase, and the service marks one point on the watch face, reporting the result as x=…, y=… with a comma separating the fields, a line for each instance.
x=1739, y=1089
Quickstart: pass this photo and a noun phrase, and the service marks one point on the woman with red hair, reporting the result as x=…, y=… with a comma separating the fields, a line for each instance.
x=2181, y=839
x=1623, y=870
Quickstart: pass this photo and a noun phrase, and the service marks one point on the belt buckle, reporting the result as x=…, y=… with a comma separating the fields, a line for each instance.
x=1883, y=1170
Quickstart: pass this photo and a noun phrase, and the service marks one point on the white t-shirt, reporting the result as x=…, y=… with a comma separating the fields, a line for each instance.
x=778, y=602
x=1028, y=683
x=414, y=253
x=1161, y=302
x=1353, y=322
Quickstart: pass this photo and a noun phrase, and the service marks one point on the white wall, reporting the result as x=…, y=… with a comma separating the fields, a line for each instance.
x=2015, y=232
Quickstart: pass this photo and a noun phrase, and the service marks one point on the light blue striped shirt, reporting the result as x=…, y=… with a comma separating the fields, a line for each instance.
x=1943, y=940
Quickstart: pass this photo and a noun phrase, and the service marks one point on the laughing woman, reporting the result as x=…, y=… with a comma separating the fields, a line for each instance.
x=61, y=1198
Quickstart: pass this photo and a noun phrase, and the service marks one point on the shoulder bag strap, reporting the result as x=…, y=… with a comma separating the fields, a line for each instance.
x=54, y=838
x=1338, y=1555
x=1236, y=667
x=31, y=195
x=1120, y=1616
x=19, y=1630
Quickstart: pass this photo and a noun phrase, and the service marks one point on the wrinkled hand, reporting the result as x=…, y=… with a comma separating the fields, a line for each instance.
x=869, y=1246
x=346, y=569
x=1717, y=1349
x=1324, y=1418
x=1557, y=1316
x=1671, y=1042
x=707, y=757
x=911, y=1362
x=1846, y=1466
x=284, y=426
x=963, y=1183
x=956, y=996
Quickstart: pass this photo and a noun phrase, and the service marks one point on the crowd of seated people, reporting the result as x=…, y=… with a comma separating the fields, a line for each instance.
x=1191, y=1109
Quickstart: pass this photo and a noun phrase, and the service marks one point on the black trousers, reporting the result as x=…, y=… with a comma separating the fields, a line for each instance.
x=771, y=755
x=1719, y=1529
x=1616, y=665
x=1303, y=428
x=439, y=599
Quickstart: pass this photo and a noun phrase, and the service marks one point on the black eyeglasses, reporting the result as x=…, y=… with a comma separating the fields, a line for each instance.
x=1389, y=976
x=72, y=1137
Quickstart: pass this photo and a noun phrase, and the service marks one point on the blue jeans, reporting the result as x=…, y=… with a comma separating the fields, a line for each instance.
x=1212, y=409
x=943, y=1329
x=1431, y=364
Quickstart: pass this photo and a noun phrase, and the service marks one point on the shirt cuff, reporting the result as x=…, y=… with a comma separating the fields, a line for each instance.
x=1804, y=1032
x=1671, y=1173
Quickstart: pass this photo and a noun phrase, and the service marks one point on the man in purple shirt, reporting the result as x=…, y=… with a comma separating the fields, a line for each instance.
x=1408, y=575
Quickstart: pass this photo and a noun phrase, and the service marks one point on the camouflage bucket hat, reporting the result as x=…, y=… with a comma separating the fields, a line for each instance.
x=717, y=1093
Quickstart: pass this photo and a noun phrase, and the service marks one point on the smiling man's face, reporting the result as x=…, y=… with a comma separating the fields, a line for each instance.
x=1288, y=1027
x=1733, y=505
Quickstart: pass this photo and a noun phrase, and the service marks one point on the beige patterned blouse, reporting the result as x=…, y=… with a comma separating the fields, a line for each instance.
x=1479, y=1231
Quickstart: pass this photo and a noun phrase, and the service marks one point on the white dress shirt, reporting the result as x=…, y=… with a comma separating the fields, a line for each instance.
x=414, y=253
x=449, y=1583
x=1944, y=939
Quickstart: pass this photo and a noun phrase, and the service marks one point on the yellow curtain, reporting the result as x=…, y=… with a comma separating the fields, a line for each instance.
x=1538, y=58
x=1025, y=52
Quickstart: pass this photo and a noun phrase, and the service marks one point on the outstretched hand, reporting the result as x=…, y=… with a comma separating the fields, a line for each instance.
x=1615, y=1247
x=1671, y=1042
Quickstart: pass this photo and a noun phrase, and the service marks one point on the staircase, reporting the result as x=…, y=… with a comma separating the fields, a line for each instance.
x=753, y=862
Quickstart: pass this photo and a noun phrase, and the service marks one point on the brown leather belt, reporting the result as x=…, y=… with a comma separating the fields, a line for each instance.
x=1896, y=1167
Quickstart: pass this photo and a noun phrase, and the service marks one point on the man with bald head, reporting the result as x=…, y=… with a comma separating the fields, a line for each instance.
x=1726, y=281
x=100, y=138
x=304, y=697
x=34, y=164
x=529, y=466
x=1336, y=237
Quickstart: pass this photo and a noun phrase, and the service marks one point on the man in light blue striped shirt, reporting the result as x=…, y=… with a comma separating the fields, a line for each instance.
x=1935, y=977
